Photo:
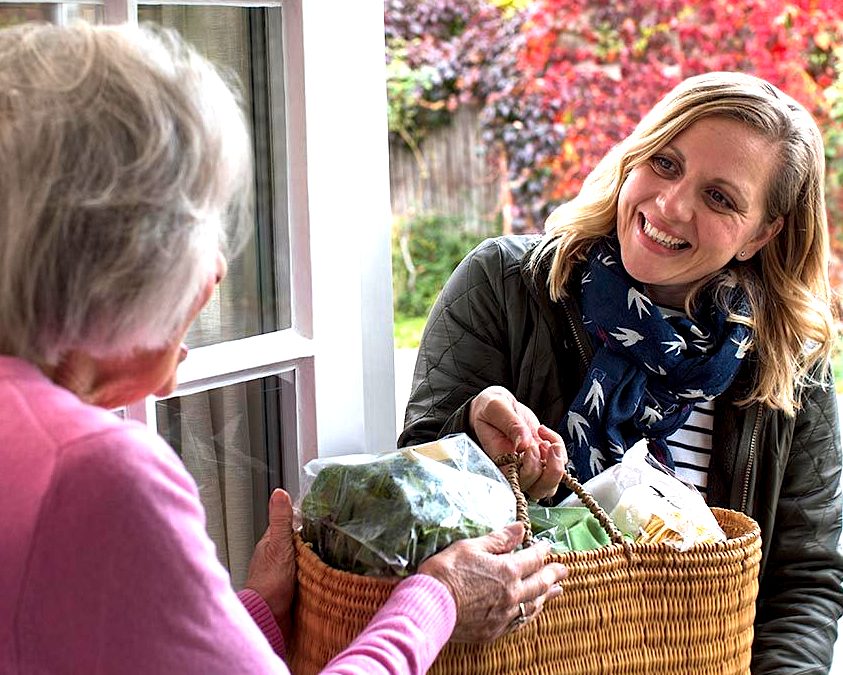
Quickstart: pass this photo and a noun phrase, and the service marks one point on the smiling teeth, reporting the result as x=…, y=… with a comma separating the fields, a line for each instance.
x=662, y=237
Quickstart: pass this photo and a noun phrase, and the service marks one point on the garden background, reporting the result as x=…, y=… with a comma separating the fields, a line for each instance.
x=498, y=109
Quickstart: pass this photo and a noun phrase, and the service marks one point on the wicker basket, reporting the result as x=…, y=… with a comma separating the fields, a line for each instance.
x=626, y=608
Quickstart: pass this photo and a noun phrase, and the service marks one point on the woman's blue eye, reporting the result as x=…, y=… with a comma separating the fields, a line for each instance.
x=720, y=199
x=663, y=164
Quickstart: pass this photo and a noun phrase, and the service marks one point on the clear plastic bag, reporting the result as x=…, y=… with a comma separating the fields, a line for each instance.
x=382, y=515
x=567, y=528
x=647, y=502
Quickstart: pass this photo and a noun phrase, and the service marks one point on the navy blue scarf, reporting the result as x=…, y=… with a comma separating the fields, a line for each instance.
x=648, y=370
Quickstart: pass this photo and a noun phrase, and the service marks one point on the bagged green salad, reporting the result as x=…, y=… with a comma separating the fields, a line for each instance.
x=382, y=515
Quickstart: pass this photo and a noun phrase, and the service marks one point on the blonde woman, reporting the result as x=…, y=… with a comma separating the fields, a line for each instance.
x=683, y=297
x=123, y=158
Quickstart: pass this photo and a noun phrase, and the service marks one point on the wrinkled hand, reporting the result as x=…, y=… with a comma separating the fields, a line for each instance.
x=502, y=424
x=488, y=582
x=272, y=570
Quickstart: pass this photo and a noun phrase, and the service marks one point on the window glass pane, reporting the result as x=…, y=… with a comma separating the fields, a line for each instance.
x=254, y=297
x=231, y=441
x=12, y=13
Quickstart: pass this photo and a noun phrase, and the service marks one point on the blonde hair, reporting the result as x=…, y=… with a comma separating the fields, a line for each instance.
x=787, y=282
x=125, y=167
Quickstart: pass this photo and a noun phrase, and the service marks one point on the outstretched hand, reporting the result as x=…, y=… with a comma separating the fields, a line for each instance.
x=494, y=589
x=502, y=425
x=272, y=570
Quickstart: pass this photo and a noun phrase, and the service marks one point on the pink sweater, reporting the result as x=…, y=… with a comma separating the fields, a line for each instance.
x=105, y=566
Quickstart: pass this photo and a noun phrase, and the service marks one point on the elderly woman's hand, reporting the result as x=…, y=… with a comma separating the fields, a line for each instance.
x=502, y=425
x=272, y=570
x=495, y=590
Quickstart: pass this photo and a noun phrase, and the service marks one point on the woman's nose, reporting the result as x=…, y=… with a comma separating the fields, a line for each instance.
x=676, y=202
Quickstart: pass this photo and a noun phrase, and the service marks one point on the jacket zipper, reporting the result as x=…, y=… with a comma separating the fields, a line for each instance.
x=576, y=334
x=751, y=460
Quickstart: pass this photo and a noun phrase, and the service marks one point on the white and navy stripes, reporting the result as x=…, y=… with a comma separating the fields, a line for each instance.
x=690, y=446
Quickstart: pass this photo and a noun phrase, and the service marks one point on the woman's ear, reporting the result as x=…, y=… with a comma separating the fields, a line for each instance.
x=764, y=234
x=207, y=290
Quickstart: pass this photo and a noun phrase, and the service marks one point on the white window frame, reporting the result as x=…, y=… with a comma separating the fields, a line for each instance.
x=340, y=341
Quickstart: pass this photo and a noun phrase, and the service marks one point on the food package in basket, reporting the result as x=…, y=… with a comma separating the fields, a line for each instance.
x=647, y=502
x=382, y=515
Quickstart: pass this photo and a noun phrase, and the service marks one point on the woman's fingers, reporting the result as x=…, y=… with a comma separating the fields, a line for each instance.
x=545, y=433
x=489, y=583
x=501, y=423
x=504, y=540
x=529, y=561
x=530, y=424
x=554, y=459
x=537, y=577
x=539, y=583
x=503, y=414
x=530, y=609
x=536, y=589
x=543, y=581
x=532, y=466
x=543, y=464
x=272, y=570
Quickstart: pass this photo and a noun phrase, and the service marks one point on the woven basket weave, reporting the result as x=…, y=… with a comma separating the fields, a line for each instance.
x=625, y=608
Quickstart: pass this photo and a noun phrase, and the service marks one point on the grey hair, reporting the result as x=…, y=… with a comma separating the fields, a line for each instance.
x=125, y=167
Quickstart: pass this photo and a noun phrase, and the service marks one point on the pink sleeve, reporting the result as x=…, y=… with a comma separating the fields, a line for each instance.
x=262, y=616
x=405, y=636
x=123, y=577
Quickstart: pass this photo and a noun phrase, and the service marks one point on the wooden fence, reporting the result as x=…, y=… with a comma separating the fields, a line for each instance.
x=452, y=176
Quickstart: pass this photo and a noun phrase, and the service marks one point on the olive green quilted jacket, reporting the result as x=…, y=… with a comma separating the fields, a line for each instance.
x=494, y=324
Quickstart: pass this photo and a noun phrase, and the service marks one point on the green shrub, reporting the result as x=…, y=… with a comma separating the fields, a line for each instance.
x=435, y=245
x=837, y=363
x=407, y=331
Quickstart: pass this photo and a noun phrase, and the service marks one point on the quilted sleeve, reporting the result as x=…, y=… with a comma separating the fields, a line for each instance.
x=463, y=348
x=801, y=598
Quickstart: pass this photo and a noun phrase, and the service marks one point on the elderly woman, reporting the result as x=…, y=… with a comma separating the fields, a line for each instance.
x=682, y=296
x=122, y=153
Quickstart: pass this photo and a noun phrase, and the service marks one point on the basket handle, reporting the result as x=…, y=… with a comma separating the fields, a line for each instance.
x=510, y=463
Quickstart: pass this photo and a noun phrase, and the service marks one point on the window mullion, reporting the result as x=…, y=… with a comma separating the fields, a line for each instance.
x=231, y=3
x=121, y=11
x=144, y=412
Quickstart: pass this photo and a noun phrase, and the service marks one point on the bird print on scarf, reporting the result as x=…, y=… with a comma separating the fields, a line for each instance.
x=648, y=369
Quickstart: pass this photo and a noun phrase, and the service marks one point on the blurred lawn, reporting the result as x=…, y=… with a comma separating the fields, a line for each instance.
x=407, y=331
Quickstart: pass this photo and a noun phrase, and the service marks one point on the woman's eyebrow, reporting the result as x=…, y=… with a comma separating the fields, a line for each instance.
x=734, y=187
x=676, y=151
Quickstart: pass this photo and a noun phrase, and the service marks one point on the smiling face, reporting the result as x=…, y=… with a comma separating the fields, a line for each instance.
x=685, y=212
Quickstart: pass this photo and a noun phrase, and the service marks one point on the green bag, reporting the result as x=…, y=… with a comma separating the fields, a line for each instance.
x=567, y=528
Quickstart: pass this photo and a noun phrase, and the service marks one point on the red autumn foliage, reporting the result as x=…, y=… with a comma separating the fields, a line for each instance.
x=608, y=62
x=561, y=81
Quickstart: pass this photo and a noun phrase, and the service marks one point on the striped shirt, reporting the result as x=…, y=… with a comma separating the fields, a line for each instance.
x=691, y=444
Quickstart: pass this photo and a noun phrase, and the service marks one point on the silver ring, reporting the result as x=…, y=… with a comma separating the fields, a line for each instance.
x=521, y=619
